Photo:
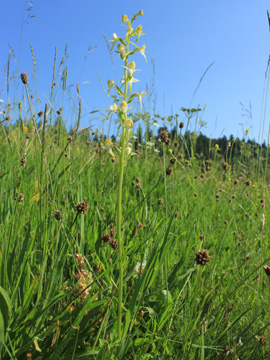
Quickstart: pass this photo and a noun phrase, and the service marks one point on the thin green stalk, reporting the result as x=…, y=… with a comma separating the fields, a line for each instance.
x=119, y=217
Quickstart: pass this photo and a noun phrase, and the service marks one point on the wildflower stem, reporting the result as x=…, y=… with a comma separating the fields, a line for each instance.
x=119, y=212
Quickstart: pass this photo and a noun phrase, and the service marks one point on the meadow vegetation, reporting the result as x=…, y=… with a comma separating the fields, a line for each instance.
x=143, y=245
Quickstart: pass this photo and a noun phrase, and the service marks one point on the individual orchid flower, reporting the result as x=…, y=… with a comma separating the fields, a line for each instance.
x=114, y=40
x=140, y=96
x=110, y=84
x=108, y=146
x=138, y=32
x=142, y=51
x=114, y=107
x=130, y=82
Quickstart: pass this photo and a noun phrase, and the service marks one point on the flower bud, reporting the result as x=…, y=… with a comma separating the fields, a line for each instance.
x=140, y=13
x=132, y=65
x=110, y=83
x=121, y=48
x=128, y=124
x=124, y=106
x=138, y=30
x=124, y=19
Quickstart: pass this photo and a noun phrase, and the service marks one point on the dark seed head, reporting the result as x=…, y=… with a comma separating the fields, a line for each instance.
x=202, y=257
x=58, y=215
x=82, y=207
x=169, y=171
x=24, y=78
x=106, y=237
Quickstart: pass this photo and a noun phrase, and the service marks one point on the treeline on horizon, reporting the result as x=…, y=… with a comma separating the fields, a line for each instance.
x=202, y=146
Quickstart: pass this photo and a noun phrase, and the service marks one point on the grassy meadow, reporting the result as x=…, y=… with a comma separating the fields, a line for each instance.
x=175, y=267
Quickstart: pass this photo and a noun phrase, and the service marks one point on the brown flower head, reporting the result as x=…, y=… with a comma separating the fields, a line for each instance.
x=160, y=201
x=69, y=138
x=173, y=161
x=225, y=166
x=23, y=161
x=82, y=207
x=169, y=171
x=112, y=232
x=248, y=182
x=181, y=125
x=58, y=215
x=106, y=237
x=164, y=136
x=40, y=114
x=202, y=257
x=114, y=244
x=266, y=268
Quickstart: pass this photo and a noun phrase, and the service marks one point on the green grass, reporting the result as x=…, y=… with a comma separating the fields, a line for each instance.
x=173, y=308
x=60, y=281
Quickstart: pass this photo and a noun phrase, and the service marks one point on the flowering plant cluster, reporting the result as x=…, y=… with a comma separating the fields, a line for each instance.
x=126, y=47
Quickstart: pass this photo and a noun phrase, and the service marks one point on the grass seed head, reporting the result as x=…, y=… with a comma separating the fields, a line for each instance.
x=106, y=237
x=114, y=244
x=266, y=268
x=164, y=136
x=58, y=215
x=24, y=78
x=82, y=207
x=169, y=171
x=202, y=257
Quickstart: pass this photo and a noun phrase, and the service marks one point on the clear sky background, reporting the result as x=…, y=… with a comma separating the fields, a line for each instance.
x=182, y=36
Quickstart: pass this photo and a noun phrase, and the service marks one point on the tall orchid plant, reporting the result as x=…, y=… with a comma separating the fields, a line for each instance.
x=126, y=47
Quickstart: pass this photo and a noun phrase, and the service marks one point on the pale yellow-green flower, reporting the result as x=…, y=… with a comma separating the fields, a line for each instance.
x=138, y=32
x=115, y=38
x=140, y=96
x=128, y=124
x=130, y=82
x=123, y=106
x=142, y=51
x=124, y=19
x=108, y=146
x=121, y=48
x=114, y=107
x=110, y=84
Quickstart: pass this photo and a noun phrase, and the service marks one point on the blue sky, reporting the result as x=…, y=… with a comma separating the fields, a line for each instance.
x=182, y=36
